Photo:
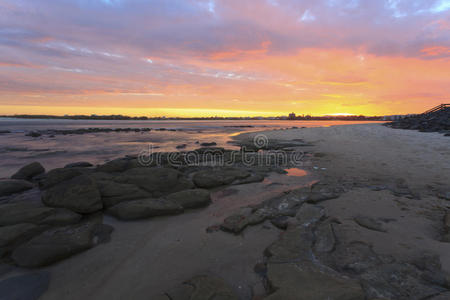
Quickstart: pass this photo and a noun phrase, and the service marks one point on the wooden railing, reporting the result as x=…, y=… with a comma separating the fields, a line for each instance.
x=435, y=109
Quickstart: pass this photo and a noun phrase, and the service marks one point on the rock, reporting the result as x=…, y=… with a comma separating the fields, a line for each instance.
x=157, y=181
x=113, y=193
x=292, y=246
x=208, y=144
x=116, y=165
x=309, y=214
x=79, y=194
x=4, y=131
x=369, y=223
x=325, y=239
x=216, y=177
x=182, y=146
x=29, y=171
x=61, y=217
x=16, y=213
x=250, y=179
x=12, y=186
x=281, y=222
x=210, y=287
x=307, y=282
x=191, y=198
x=81, y=164
x=14, y=233
x=102, y=233
x=236, y=222
x=59, y=175
x=146, y=208
x=33, y=134
x=54, y=245
x=25, y=287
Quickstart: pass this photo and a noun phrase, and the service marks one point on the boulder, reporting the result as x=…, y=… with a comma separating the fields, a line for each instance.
x=307, y=282
x=28, y=286
x=14, y=233
x=80, y=164
x=59, y=175
x=116, y=165
x=157, y=181
x=12, y=186
x=61, y=217
x=113, y=193
x=16, y=213
x=191, y=198
x=54, y=245
x=29, y=171
x=216, y=177
x=145, y=208
x=79, y=194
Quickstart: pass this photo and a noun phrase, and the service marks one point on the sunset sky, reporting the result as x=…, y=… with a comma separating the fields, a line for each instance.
x=223, y=57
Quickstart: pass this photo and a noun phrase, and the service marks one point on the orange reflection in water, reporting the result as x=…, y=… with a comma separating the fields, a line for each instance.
x=296, y=172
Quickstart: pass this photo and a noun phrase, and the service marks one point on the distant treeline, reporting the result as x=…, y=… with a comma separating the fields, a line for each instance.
x=121, y=117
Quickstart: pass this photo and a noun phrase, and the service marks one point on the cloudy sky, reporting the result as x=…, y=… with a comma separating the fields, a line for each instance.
x=223, y=57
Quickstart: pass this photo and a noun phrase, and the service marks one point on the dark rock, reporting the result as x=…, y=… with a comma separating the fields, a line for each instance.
x=12, y=186
x=13, y=233
x=16, y=213
x=116, y=165
x=25, y=287
x=79, y=194
x=307, y=282
x=182, y=146
x=369, y=223
x=325, y=239
x=4, y=131
x=113, y=193
x=146, y=208
x=208, y=144
x=191, y=198
x=61, y=217
x=102, y=233
x=29, y=171
x=309, y=214
x=81, y=164
x=54, y=245
x=281, y=222
x=210, y=287
x=59, y=175
x=216, y=177
x=157, y=181
x=33, y=134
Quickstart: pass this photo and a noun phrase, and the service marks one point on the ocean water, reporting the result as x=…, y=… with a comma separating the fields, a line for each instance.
x=17, y=149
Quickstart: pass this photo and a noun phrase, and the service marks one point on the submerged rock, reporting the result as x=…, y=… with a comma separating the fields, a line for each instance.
x=79, y=194
x=191, y=198
x=81, y=164
x=309, y=214
x=12, y=186
x=29, y=171
x=145, y=208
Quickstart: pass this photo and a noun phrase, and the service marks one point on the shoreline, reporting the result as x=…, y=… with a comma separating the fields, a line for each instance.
x=373, y=198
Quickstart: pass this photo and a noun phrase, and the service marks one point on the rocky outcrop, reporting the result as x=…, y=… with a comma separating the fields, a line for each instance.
x=438, y=121
x=12, y=186
x=79, y=194
x=145, y=208
x=113, y=193
x=29, y=171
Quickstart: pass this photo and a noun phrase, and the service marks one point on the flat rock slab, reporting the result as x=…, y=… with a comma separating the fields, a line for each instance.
x=325, y=239
x=191, y=198
x=210, y=287
x=145, y=208
x=54, y=245
x=369, y=223
x=25, y=287
x=29, y=171
x=309, y=214
x=12, y=186
x=217, y=177
x=300, y=282
x=79, y=194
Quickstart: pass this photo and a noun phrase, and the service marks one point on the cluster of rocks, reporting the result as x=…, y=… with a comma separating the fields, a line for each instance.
x=433, y=122
x=53, y=132
x=315, y=257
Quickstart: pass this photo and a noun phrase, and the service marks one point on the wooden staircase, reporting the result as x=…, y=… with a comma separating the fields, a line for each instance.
x=437, y=108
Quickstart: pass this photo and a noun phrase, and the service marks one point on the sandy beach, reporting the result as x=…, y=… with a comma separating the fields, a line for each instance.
x=384, y=190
